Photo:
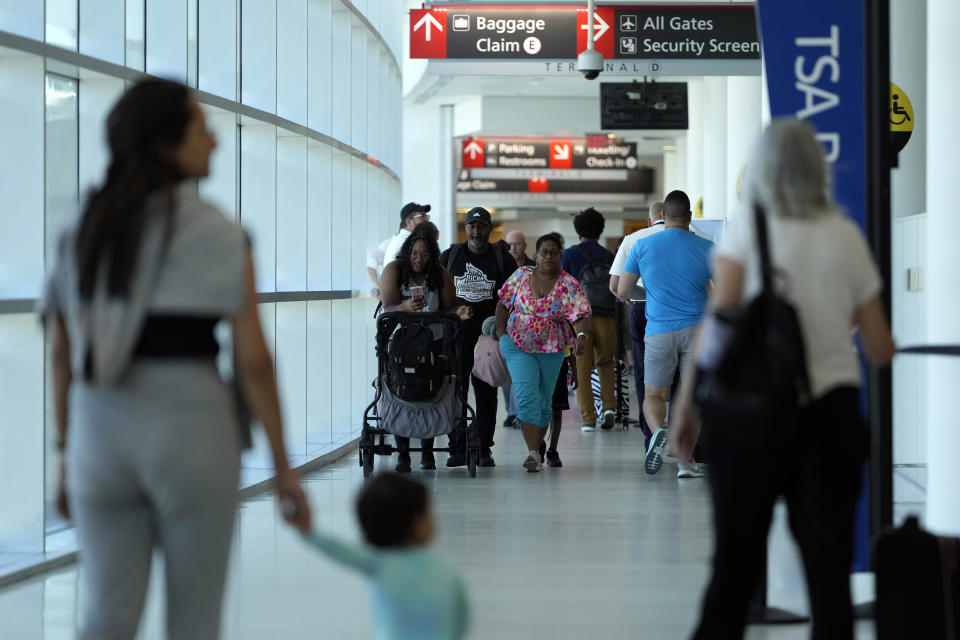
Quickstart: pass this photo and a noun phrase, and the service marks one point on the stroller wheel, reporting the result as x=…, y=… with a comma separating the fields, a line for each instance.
x=473, y=459
x=366, y=457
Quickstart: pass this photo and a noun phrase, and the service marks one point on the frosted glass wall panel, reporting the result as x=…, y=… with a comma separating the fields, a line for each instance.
x=217, y=25
x=21, y=177
x=341, y=358
x=363, y=344
x=61, y=140
x=258, y=178
x=320, y=73
x=136, y=25
x=62, y=23
x=292, y=373
x=259, y=456
x=291, y=213
x=320, y=372
x=373, y=103
x=358, y=64
x=358, y=223
x=97, y=97
x=220, y=187
x=319, y=216
x=21, y=456
x=292, y=23
x=167, y=39
x=259, y=54
x=101, y=30
x=23, y=17
x=342, y=72
x=342, y=212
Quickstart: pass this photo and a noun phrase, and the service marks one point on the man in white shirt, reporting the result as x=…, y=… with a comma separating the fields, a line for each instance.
x=638, y=318
x=386, y=252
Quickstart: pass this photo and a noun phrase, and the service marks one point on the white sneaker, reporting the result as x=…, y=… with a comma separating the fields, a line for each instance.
x=607, y=419
x=588, y=426
x=653, y=459
x=532, y=463
x=689, y=470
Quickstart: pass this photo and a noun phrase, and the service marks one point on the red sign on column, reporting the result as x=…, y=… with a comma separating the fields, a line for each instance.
x=473, y=153
x=561, y=154
x=428, y=33
x=603, y=35
x=537, y=185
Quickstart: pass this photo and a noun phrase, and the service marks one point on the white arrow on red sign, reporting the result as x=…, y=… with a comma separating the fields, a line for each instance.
x=426, y=21
x=561, y=152
x=473, y=149
x=599, y=27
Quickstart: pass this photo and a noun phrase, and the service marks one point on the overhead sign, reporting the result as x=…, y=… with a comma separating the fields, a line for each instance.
x=519, y=32
x=521, y=153
x=636, y=181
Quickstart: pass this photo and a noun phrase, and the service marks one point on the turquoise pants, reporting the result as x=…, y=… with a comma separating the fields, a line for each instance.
x=534, y=379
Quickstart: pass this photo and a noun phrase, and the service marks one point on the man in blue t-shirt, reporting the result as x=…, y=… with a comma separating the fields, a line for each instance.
x=675, y=267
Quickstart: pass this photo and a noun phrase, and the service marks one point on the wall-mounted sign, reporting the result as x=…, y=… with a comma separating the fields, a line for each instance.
x=519, y=32
x=636, y=181
x=901, y=118
x=520, y=153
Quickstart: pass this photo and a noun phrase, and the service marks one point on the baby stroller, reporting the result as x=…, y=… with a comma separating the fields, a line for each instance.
x=418, y=392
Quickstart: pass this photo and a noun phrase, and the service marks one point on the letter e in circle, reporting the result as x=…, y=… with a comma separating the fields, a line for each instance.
x=532, y=45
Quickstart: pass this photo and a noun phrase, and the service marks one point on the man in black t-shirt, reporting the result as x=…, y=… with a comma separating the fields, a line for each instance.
x=479, y=269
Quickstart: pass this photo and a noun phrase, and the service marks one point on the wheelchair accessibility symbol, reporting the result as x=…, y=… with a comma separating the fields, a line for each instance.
x=901, y=118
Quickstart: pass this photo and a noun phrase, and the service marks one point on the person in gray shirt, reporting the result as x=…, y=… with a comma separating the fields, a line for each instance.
x=151, y=433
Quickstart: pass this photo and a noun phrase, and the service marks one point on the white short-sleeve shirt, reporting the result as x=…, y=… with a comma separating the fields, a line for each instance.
x=616, y=269
x=827, y=272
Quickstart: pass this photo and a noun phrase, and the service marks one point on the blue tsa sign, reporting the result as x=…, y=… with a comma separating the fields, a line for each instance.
x=814, y=57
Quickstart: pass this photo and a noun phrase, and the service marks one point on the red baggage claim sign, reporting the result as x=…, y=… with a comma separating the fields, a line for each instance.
x=518, y=32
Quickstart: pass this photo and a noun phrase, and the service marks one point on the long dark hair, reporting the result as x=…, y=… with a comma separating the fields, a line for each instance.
x=427, y=232
x=143, y=127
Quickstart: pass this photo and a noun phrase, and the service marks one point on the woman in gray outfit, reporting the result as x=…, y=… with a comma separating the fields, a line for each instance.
x=149, y=429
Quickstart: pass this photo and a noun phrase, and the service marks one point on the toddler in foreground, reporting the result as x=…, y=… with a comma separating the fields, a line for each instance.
x=416, y=593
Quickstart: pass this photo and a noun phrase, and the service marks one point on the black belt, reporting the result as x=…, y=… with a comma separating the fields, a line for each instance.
x=176, y=336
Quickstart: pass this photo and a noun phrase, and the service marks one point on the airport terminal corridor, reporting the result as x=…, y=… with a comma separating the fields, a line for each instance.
x=595, y=549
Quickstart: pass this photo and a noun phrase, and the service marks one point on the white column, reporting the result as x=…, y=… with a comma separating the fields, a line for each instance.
x=715, y=147
x=744, y=115
x=445, y=205
x=943, y=274
x=693, y=186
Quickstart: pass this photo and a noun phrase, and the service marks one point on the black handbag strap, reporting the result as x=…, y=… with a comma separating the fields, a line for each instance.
x=763, y=242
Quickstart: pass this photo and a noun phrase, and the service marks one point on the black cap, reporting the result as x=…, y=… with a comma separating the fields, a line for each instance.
x=411, y=208
x=478, y=214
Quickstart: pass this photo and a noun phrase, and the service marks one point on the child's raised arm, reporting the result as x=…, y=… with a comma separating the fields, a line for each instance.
x=354, y=557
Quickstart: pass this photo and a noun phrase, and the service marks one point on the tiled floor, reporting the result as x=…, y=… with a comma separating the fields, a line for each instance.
x=594, y=550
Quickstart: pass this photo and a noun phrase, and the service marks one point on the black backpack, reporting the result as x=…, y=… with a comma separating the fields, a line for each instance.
x=595, y=282
x=415, y=370
x=761, y=378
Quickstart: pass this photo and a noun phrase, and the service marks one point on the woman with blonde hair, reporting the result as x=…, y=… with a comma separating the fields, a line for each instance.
x=814, y=461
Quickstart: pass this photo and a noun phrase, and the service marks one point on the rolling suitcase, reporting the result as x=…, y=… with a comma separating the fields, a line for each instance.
x=917, y=591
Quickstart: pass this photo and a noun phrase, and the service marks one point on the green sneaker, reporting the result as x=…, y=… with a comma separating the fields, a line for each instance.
x=653, y=459
x=589, y=426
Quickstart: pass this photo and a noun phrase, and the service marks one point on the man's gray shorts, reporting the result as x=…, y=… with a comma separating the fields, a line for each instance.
x=663, y=352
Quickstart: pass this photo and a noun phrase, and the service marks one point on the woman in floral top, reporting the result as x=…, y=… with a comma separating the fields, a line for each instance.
x=537, y=306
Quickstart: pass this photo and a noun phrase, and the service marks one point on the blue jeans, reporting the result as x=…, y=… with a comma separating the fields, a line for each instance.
x=534, y=379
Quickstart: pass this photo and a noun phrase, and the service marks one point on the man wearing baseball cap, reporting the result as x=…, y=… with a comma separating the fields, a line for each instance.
x=386, y=252
x=479, y=269
x=411, y=215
